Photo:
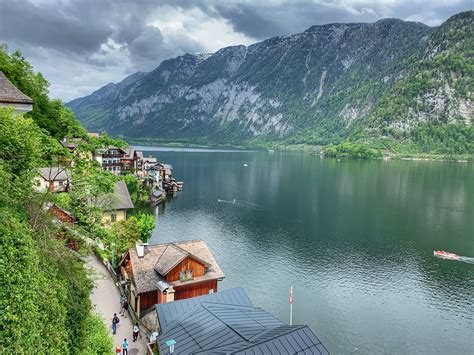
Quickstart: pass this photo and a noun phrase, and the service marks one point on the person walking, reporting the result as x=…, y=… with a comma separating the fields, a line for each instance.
x=125, y=347
x=122, y=300
x=136, y=330
x=115, y=321
x=125, y=308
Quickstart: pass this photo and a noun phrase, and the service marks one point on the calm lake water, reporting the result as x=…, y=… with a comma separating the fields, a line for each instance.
x=354, y=238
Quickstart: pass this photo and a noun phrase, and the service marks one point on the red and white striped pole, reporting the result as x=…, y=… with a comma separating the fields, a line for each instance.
x=291, y=305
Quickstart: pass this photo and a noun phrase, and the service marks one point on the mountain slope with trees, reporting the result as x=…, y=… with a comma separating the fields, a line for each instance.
x=328, y=84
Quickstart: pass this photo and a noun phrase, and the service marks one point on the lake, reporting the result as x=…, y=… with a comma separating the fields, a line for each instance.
x=353, y=238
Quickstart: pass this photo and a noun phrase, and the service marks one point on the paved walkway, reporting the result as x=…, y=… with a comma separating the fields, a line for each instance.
x=106, y=301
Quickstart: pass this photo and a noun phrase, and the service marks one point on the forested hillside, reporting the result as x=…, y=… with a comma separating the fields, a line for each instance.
x=44, y=295
x=330, y=83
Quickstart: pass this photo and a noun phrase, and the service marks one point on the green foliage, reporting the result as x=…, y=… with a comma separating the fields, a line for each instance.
x=146, y=225
x=449, y=139
x=98, y=340
x=44, y=293
x=50, y=115
x=123, y=235
x=91, y=187
x=351, y=150
x=137, y=192
x=20, y=143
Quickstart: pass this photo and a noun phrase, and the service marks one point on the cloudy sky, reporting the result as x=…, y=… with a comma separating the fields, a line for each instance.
x=81, y=45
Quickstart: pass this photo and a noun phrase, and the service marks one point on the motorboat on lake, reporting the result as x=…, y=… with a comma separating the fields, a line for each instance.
x=445, y=255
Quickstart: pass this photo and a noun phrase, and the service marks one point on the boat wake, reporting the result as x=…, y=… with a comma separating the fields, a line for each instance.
x=451, y=256
x=240, y=203
x=467, y=259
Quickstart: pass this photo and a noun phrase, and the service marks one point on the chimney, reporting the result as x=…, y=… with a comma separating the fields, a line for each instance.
x=140, y=249
x=170, y=294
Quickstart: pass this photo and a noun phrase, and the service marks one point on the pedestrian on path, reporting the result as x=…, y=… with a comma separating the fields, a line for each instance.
x=136, y=330
x=118, y=350
x=122, y=300
x=125, y=347
x=115, y=321
x=125, y=308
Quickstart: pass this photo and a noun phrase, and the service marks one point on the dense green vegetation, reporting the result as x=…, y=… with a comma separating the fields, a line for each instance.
x=45, y=289
x=352, y=150
x=44, y=299
x=50, y=115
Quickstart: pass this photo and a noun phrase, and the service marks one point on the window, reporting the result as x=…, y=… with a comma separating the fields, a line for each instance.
x=113, y=217
x=185, y=275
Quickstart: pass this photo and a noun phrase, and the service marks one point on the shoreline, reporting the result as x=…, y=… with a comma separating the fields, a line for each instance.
x=303, y=148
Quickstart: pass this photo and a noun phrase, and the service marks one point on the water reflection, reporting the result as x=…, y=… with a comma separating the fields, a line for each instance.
x=355, y=239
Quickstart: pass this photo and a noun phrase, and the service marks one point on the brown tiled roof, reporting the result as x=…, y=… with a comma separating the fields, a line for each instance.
x=10, y=94
x=172, y=256
x=146, y=276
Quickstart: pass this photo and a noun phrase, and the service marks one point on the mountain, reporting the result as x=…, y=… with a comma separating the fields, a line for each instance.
x=327, y=84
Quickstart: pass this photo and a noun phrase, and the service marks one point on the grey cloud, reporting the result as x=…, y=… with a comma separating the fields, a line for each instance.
x=261, y=20
x=95, y=41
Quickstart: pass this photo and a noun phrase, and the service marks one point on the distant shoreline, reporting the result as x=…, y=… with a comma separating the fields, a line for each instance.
x=304, y=148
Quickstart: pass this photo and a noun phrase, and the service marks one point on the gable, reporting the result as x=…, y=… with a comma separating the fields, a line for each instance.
x=189, y=263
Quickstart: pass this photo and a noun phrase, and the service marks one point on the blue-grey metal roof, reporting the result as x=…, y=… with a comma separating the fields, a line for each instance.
x=171, y=311
x=203, y=326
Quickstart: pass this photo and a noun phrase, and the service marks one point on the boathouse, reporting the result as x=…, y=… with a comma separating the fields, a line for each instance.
x=228, y=323
x=167, y=272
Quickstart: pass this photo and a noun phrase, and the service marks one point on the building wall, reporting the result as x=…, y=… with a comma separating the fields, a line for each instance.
x=120, y=216
x=19, y=108
x=187, y=264
x=194, y=290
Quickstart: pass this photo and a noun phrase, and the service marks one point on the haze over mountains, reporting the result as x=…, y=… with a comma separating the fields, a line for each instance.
x=327, y=84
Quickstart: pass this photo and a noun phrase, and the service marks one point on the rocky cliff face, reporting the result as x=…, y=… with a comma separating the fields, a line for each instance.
x=312, y=87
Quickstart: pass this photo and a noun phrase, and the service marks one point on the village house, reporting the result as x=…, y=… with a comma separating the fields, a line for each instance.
x=72, y=144
x=60, y=213
x=166, y=171
x=149, y=163
x=11, y=97
x=116, y=204
x=228, y=323
x=120, y=161
x=112, y=160
x=54, y=179
x=167, y=272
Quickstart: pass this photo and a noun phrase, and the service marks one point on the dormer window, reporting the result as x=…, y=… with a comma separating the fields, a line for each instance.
x=186, y=275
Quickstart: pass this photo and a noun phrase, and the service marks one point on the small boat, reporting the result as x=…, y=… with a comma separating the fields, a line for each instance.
x=245, y=165
x=445, y=255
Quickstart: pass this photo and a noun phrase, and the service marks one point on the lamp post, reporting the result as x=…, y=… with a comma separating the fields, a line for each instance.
x=171, y=344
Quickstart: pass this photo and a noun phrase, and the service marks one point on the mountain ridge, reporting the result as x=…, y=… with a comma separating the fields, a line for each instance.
x=315, y=87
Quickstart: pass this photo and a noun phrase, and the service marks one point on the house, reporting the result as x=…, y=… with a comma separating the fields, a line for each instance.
x=139, y=163
x=11, y=97
x=167, y=272
x=129, y=161
x=149, y=163
x=60, y=213
x=54, y=179
x=228, y=323
x=116, y=204
x=166, y=171
x=72, y=144
x=112, y=159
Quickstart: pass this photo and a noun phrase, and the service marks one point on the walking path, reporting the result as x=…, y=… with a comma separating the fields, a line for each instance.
x=106, y=301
